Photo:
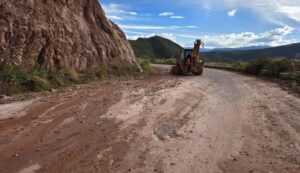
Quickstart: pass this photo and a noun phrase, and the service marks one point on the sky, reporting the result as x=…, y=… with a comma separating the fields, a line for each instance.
x=218, y=23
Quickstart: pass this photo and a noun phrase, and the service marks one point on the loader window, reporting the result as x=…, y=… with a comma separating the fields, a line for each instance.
x=182, y=55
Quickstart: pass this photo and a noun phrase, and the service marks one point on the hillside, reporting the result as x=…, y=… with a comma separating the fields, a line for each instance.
x=55, y=34
x=155, y=47
x=289, y=51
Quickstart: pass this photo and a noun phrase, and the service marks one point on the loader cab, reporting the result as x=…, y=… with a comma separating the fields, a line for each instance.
x=184, y=53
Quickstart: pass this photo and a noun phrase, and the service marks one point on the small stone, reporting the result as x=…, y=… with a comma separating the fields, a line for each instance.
x=98, y=124
x=53, y=90
x=38, y=149
x=173, y=164
x=234, y=158
x=291, y=145
x=17, y=155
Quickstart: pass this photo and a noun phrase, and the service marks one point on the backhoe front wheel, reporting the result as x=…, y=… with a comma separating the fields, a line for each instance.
x=199, y=71
x=176, y=70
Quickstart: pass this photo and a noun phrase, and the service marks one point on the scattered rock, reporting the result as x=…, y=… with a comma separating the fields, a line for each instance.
x=291, y=145
x=164, y=131
x=172, y=164
x=53, y=90
x=234, y=158
x=98, y=124
x=17, y=155
x=28, y=134
x=111, y=162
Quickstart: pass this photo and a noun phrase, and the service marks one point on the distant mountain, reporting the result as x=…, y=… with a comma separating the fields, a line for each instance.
x=155, y=47
x=159, y=47
x=288, y=51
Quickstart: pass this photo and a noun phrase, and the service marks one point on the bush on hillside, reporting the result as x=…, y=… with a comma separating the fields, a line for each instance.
x=256, y=66
x=145, y=65
x=14, y=75
x=38, y=84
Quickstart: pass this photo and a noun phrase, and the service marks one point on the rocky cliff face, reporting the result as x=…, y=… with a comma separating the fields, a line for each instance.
x=57, y=33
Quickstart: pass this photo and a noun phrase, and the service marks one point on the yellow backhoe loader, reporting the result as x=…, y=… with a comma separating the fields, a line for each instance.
x=189, y=61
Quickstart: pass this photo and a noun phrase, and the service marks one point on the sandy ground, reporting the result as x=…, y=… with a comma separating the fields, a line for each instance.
x=219, y=122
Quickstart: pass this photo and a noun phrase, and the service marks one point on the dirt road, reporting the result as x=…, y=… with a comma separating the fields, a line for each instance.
x=219, y=122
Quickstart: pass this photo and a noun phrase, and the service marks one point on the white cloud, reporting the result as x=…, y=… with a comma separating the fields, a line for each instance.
x=142, y=27
x=291, y=12
x=273, y=37
x=176, y=17
x=118, y=12
x=151, y=27
x=135, y=37
x=232, y=13
x=114, y=17
x=131, y=13
x=171, y=15
x=274, y=11
x=169, y=36
x=166, y=14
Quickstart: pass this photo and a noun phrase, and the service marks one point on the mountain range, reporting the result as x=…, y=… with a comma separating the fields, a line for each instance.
x=159, y=47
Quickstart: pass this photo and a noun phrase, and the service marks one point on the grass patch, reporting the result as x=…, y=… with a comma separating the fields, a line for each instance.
x=145, y=65
x=68, y=74
x=94, y=74
x=124, y=69
x=15, y=79
x=170, y=61
x=38, y=84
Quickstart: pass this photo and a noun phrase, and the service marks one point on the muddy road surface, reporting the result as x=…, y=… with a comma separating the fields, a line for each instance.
x=218, y=122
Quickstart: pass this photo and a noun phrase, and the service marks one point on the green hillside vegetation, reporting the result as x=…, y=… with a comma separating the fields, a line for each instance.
x=276, y=68
x=288, y=51
x=155, y=47
x=16, y=79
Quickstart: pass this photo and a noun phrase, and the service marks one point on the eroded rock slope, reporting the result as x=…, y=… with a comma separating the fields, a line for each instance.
x=56, y=33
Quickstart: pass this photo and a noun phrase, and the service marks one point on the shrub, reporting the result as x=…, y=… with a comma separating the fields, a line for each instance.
x=39, y=84
x=68, y=74
x=124, y=69
x=14, y=75
x=101, y=73
x=145, y=64
x=38, y=71
x=55, y=79
x=295, y=76
x=239, y=66
x=256, y=66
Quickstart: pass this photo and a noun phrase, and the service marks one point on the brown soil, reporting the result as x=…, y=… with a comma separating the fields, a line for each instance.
x=219, y=122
